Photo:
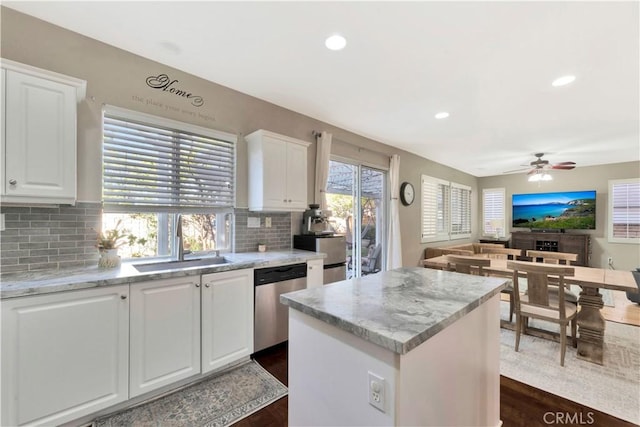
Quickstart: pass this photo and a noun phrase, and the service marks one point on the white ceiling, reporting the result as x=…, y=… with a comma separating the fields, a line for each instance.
x=490, y=64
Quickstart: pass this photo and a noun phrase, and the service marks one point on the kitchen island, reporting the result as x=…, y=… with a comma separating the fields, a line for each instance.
x=421, y=345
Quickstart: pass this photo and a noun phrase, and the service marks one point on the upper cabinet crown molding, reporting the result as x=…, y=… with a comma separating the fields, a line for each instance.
x=277, y=172
x=79, y=84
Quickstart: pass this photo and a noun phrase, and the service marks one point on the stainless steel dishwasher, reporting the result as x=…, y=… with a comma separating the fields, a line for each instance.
x=271, y=321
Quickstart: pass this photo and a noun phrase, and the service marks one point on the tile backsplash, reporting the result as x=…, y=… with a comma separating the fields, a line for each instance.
x=276, y=237
x=48, y=238
x=43, y=238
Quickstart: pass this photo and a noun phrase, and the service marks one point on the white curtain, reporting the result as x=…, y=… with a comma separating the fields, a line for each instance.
x=323, y=151
x=394, y=243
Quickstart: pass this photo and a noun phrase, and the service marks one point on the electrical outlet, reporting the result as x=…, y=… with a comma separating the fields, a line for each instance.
x=267, y=222
x=610, y=261
x=376, y=391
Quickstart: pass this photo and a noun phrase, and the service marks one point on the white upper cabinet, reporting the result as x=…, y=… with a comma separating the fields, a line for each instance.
x=39, y=135
x=277, y=172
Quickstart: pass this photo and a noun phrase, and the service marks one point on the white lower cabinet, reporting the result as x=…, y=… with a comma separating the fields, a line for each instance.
x=227, y=318
x=70, y=354
x=165, y=333
x=64, y=355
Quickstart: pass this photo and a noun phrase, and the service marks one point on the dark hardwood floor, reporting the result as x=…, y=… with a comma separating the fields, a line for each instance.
x=520, y=405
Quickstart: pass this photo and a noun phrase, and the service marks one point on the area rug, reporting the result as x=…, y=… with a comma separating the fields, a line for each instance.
x=613, y=388
x=219, y=401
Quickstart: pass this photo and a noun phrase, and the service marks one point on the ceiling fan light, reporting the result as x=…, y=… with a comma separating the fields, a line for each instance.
x=534, y=178
x=546, y=177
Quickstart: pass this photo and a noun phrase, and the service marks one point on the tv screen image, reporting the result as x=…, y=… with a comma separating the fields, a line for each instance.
x=567, y=210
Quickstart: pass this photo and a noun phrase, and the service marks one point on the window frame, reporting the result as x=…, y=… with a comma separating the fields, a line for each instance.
x=633, y=182
x=437, y=210
x=170, y=212
x=498, y=210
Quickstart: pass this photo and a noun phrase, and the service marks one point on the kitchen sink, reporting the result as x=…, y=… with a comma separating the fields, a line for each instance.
x=173, y=265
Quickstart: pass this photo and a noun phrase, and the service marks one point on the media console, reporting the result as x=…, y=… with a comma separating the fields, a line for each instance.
x=553, y=242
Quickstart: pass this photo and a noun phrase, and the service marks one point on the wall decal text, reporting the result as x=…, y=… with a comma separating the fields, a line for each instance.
x=165, y=84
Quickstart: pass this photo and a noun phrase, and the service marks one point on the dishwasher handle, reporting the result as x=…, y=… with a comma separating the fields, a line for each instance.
x=264, y=276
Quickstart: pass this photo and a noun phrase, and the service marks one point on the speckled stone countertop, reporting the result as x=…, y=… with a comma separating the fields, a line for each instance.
x=43, y=282
x=398, y=309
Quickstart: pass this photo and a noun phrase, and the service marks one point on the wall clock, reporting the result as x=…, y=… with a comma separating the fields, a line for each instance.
x=407, y=194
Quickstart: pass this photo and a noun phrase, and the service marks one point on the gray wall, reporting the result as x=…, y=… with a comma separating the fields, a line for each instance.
x=625, y=256
x=117, y=77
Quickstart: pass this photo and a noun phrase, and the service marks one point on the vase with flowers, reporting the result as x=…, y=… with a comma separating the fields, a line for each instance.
x=108, y=243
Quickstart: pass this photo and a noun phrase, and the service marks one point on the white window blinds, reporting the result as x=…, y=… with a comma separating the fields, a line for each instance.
x=150, y=163
x=493, y=214
x=624, y=211
x=436, y=204
x=460, y=211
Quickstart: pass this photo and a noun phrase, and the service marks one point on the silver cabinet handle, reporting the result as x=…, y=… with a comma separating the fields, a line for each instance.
x=13, y=182
x=207, y=285
x=197, y=285
x=123, y=297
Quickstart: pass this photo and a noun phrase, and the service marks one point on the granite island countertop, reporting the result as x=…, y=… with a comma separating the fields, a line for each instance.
x=398, y=309
x=47, y=281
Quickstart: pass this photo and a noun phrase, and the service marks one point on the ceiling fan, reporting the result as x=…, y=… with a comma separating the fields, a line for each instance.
x=537, y=167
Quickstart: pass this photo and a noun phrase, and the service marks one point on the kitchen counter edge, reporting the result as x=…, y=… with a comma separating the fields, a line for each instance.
x=45, y=282
x=435, y=299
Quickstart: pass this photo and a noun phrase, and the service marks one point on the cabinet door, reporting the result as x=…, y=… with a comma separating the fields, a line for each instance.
x=296, y=181
x=40, y=139
x=314, y=273
x=64, y=355
x=576, y=244
x=165, y=332
x=275, y=173
x=227, y=318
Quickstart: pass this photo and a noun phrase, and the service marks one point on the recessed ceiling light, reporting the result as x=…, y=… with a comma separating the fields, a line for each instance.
x=564, y=80
x=442, y=115
x=335, y=42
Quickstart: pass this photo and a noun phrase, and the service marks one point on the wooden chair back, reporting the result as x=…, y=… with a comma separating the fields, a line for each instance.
x=552, y=257
x=537, y=303
x=501, y=253
x=467, y=264
x=463, y=252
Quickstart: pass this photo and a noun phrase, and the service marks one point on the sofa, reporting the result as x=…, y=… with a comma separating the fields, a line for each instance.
x=461, y=249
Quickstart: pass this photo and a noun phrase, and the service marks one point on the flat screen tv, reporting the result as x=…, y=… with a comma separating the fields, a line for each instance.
x=567, y=210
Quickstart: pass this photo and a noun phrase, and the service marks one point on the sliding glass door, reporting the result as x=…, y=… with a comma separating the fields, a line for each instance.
x=356, y=196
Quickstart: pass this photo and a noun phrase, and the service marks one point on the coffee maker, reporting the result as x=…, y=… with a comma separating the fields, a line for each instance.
x=315, y=221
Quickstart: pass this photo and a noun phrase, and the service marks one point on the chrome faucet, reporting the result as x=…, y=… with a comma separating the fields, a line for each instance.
x=179, y=237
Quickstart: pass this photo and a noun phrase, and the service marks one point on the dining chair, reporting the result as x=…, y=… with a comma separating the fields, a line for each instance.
x=552, y=257
x=538, y=304
x=556, y=258
x=372, y=262
x=467, y=264
x=503, y=253
x=463, y=252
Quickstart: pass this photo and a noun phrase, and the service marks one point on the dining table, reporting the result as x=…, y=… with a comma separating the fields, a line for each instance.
x=591, y=323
